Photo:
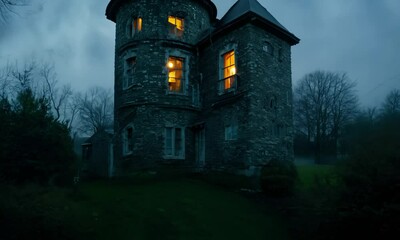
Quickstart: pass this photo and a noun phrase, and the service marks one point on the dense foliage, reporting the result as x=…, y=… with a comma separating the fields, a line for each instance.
x=34, y=146
x=278, y=178
x=370, y=199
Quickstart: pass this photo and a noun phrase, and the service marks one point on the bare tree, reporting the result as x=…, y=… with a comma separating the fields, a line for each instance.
x=392, y=102
x=42, y=80
x=324, y=102
x=59, y=98
x=8, y=6
x=5, y=81
x=95, y=110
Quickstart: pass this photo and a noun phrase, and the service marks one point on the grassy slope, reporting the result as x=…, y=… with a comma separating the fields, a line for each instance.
x=184, y=209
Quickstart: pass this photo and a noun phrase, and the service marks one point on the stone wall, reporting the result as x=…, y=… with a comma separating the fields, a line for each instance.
x=147, y=105
x=261, y=105
x=271, y=120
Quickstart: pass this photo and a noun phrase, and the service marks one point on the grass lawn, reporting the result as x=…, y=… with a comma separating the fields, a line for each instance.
x=169, y=209
x=313, y=176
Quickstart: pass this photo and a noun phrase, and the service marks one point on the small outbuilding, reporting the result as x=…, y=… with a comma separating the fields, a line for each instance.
x=97, y=155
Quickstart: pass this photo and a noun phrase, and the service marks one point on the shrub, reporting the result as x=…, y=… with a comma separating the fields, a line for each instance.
x=370, y=198
x=35, y=147
x=278, y=178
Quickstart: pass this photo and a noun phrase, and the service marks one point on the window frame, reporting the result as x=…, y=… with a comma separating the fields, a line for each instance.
x=128, y=78
x=127, y=143
x=232, y=131
x=173, y=154
x=134, y=26
x=173, y=28
x=232, y=78
x=268, y=48
x=184, y=73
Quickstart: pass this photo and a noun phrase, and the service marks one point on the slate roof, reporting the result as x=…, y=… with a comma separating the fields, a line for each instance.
x=252, y=8
x=242, y=7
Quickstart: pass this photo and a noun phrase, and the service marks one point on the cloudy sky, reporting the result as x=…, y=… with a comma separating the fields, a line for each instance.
x=359, y=37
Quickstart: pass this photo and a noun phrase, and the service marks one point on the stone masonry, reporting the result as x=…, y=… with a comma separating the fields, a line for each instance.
x=207, y=121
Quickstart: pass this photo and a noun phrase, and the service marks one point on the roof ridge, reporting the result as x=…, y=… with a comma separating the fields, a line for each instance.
x=241, y=7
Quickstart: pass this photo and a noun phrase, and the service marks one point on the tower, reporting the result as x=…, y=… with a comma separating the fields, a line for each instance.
x=198, y=92
x=156, y=79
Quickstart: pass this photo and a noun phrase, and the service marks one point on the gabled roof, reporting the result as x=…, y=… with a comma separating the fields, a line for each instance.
x=241, y=7
x=248, y=9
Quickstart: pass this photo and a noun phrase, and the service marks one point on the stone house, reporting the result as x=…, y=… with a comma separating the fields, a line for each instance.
x=198, y=92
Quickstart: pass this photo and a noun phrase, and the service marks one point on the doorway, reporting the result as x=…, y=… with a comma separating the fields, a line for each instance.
x=200, y=146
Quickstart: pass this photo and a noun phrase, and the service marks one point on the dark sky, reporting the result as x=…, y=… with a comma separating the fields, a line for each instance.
x=360, y=37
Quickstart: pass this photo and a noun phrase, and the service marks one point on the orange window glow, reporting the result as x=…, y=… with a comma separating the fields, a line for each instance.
x=137, y=24
x=229, y=69
x=175, y=74
x=176, y=25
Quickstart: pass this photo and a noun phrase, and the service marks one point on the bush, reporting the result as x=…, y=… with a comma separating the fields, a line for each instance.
x=35, y=147
x=278, y=178
x=370, y=195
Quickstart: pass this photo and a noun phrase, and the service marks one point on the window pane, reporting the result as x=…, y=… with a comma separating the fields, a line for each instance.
x=235, y=131
x=139, y=24
x=168, y=141
x=129, y=71
x=171, y=20
x=229, y=68
x=179, y=24
x=178, y=142
x=228, y=133
x=176, y=25
x=175, y=74
x=130, y=139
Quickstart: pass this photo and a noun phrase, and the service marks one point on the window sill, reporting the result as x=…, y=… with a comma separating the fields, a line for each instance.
x=167, y=157
x=229, y=91
x=176, y=93
x=136, y=85
x=128, y=154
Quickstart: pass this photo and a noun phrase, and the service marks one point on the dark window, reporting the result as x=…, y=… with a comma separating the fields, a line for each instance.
x=174, y=142
x=130, y=67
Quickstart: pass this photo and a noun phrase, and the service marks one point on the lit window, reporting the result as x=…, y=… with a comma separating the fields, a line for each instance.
x=228, y=81
x=129, y=71
x=128, y=140
x=134, y=26
x=231, y=131
x=174, y=142
x=175, y=25
x=176, y=73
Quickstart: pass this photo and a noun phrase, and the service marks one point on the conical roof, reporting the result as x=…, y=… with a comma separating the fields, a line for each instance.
x=114, y=5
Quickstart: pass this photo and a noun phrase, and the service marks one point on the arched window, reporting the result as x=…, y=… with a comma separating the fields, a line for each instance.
x=176, y=25
x=134, y=26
